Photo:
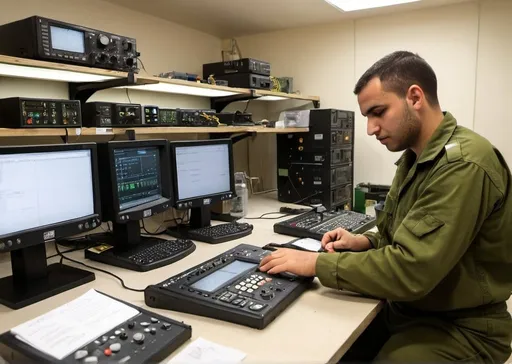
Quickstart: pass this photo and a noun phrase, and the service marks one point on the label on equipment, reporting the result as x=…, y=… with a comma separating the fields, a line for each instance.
x=147, y=213
x=47, y=235
x=100, y=131
x=319, y=137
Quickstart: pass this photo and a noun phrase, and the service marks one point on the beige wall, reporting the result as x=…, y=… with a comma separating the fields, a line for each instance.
x=164, y=46
x=327, y=61
x=494, y=77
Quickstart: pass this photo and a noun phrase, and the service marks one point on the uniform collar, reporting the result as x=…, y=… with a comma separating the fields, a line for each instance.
x=436, y=143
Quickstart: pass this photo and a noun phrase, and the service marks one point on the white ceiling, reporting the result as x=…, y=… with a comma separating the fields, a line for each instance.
x=234, y=18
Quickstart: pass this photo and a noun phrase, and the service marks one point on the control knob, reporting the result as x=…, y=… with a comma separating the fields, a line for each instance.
x=130, y=62
x=103, y=41
x=127, y=46
x=102, y=58
x=266, y=294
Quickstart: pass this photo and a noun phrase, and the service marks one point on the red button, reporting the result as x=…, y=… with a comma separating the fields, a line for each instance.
x=107, y=352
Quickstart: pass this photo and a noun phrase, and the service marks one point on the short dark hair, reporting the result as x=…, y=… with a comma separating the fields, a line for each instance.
x=400, y=70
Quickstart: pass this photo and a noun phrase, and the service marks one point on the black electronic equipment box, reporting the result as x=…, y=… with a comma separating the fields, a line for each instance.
x=229, y=287
x=244, y=65
x=23, y=112
x=317, y=167
x=235, y=118
x=246, y=80
x=168, y=117
x=52, y=40
x=197, y=117
x=314, y=225
x=145, y=338
x=187, y=117
x=151, y=115
x=106, y=114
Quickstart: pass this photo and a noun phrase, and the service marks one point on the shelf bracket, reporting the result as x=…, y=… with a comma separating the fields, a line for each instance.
x=130, y=134
x=235, y=139
x=220, y=103
x=84, y=90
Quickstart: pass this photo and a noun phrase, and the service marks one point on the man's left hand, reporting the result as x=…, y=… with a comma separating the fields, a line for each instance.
x=290, y=260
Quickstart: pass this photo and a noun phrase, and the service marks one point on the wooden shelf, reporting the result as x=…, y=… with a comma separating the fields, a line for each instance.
x=34, y=69
x=173, y=86
x=265, y=95
x=48, y=132
x=36, y=132
x=263, y=130
x=190, y=130
x=28, y=68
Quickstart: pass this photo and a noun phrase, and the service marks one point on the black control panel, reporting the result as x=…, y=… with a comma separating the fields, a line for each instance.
x=235, y=118
x=229, y=287
x=246, y=80
x=168, y=117
x=314, y=224
x=199, y=117
x=147, y=337
x=244, y=65
x=105, y=114
x=151, y=115
x=53, y=40
x=22, y=112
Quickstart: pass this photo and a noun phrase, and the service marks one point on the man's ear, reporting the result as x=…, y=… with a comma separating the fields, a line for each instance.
x=415, y=97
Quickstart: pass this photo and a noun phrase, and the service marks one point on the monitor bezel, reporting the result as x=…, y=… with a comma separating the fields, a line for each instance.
x=51, y=232
x=205, y=200
x=148, y=209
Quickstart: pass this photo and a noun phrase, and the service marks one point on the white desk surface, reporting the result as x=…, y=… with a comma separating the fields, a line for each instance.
x=318, y=327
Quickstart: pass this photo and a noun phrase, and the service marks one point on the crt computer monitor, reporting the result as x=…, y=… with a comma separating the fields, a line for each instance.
x=47, y=192
x=202, y=172
x=134, y=184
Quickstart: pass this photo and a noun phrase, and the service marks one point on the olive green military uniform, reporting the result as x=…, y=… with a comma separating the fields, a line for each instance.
x=443, y=255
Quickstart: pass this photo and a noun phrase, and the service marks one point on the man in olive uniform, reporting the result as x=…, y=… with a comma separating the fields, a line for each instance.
x=442, y=256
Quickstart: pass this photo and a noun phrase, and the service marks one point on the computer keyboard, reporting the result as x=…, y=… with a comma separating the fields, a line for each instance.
x=153, y=253
x=314, y=225
x=220, y=233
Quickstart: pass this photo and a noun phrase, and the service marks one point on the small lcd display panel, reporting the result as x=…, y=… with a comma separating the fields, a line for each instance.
x=220, y=277
x=69, y=40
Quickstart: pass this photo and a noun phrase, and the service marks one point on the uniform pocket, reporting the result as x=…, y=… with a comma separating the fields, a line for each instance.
x=386, y=215
x=420, y=223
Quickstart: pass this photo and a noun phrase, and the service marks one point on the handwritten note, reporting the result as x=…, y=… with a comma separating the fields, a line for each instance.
x=69, y=327
x=204, y=351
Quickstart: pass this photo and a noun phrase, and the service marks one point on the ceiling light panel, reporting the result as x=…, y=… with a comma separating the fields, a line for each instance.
x=353, y=5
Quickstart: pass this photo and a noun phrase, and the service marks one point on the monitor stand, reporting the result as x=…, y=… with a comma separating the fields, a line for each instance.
x=119, y=247
x=33, y=280
x=199, y=217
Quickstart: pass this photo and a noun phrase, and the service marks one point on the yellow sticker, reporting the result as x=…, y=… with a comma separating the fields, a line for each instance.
x=98, y=249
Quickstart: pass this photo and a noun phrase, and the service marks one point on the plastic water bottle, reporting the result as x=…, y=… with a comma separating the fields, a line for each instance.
x=241, y=200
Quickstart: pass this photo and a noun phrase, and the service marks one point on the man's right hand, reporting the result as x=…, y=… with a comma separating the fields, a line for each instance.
x=341, y=239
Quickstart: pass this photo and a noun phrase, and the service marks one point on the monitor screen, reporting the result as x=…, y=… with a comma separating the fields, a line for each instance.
x=67, y=39
x=39, y=189
x=220, y=277
x=138, y=177
x=202, y=170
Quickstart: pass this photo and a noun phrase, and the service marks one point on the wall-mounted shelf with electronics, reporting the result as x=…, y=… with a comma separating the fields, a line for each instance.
x=84, y=81
x=41, y=132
